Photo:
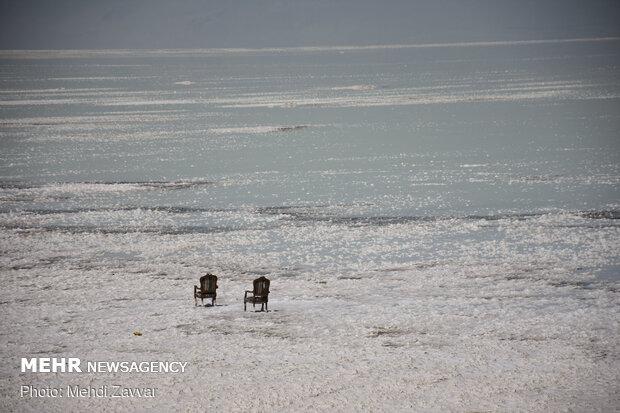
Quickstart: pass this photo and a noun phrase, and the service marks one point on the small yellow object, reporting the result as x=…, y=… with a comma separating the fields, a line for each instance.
x=137, y=333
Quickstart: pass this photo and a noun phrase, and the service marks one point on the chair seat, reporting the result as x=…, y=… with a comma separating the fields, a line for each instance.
x=257, y=300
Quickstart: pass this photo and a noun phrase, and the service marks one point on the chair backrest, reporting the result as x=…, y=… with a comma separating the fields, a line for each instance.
x=208, y=283
x=261, y=286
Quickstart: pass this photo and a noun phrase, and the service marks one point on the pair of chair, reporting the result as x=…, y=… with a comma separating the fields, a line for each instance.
x=208, y=289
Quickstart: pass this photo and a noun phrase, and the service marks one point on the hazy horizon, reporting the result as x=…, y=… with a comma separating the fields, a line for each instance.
x=193, y=24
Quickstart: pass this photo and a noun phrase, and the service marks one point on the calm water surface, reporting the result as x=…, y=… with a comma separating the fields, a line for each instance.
x=202, y=142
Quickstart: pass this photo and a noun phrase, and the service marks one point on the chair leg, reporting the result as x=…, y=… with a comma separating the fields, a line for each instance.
x=195, y=301
x=213, y=302
x=267, y=307
x=244, y=305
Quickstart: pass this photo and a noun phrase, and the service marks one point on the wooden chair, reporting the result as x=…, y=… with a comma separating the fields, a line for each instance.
x=260, y=294
x=207, y=289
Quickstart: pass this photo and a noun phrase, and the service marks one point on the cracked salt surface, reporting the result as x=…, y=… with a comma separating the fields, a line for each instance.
x=487, y=325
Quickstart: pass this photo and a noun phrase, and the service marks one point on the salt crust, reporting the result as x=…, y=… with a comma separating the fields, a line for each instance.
x=513, y=323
